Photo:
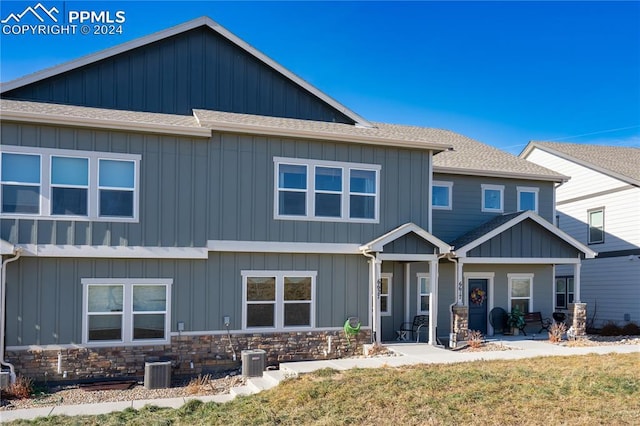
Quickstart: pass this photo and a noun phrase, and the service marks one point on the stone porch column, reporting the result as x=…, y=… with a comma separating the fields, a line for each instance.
x=460, y=324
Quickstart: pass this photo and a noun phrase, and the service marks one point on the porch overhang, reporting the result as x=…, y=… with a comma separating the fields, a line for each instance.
x=501, y=224
x=378, y=244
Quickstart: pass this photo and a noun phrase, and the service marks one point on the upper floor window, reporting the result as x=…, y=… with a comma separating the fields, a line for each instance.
x=278, y=299
x=326, y=190
x=596, y=225
x=527, y=198
x=77, y=185
x=492, y=198
x=441, y=195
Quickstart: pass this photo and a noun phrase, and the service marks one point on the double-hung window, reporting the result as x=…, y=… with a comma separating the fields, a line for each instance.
x=527, y=198
x=126, y=311
x=326, y=190
x=596, y=225
x=521, y=292
x=492, y=198
x=21, y=183
x=76, y=185
x=278, y=299
x=441, y=195
x=69, y=186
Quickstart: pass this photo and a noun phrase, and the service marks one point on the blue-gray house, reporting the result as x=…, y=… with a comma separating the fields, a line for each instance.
x=184, y=195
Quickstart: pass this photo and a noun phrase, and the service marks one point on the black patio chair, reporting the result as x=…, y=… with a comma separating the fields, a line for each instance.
x=498, y=320
x=419, y=321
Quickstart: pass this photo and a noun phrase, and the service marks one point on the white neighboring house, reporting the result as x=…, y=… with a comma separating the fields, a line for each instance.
x=599, y=206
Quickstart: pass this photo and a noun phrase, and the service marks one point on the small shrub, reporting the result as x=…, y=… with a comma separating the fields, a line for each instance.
x=199, y=384
x=475, y=339
x=631, y=329
x=611, y=329
x=21, y=389
x=556, y=331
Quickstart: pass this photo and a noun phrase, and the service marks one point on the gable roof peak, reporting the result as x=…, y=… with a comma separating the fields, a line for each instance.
x=203, y=21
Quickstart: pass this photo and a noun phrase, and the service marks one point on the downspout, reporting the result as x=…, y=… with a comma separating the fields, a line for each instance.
x=455, y=302
x=3, y=297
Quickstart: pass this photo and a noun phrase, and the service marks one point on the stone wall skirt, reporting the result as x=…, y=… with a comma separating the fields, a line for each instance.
x=190, y=355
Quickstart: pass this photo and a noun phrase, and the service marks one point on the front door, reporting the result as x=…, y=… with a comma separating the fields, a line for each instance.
x=478, y=304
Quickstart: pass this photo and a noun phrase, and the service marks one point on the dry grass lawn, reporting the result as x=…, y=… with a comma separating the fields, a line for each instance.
x=579, y=390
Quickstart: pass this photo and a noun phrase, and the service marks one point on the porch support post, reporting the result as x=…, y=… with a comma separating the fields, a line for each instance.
x=407, y=291
x=459, y=284
x=433, y=302
x=376, y=299
x=576, y=282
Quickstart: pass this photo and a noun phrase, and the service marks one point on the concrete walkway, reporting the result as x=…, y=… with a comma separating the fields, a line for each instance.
x=411, y=354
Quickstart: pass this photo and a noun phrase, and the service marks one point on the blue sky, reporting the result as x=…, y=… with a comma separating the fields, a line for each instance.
x=501, y=72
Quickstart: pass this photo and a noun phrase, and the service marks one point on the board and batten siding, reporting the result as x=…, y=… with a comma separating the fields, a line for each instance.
x=193, y=190
x=195, y=69
x=46, y=293
x=466, y=213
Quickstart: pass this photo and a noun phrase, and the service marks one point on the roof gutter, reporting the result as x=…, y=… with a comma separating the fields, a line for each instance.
x=3, y=315
x=493, y=173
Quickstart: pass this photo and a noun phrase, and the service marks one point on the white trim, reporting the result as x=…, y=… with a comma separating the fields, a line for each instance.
x=102, y=123
x=195, y=23
x=522, y=260
x=389, y=295
x=520, y=276
x=6, y=247
x=127, y=310
x=449, y=186
x=589, y=254
x=530, y=189
x=378, y=244
x=281, y=247
x=487, y=187
x=93, y=188
x=113, y=252
x=401, y=257
x=429, y=194
x=310, y=190
x=279, y=299
x=589, y=225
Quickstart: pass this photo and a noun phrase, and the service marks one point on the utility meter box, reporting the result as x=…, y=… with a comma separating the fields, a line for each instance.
x=253, y=362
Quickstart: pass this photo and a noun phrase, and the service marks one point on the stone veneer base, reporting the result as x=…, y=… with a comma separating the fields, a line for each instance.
x=190, y=355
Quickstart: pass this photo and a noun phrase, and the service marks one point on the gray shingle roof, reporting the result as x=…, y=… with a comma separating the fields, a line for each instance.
x=622, y=161
x=467, y=157
x=470, y=155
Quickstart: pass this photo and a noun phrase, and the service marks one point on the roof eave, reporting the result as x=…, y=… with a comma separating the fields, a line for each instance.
x=40, y=118
x=500, y=174
x=320, y=135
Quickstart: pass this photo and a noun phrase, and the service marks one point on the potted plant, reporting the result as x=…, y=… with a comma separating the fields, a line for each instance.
x=515, y=320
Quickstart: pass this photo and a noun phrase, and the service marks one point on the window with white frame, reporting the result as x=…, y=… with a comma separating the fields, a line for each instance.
x=326, y=190
x=385, y=293
x=278, y=299
x=126, y=311
x=596, y=225
x=492, y=198
x=564, y=292
x=424, y=293
x=21, y=183
x=521, y=292
x=441, y=195
x=78, y=185
x=527, y=198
